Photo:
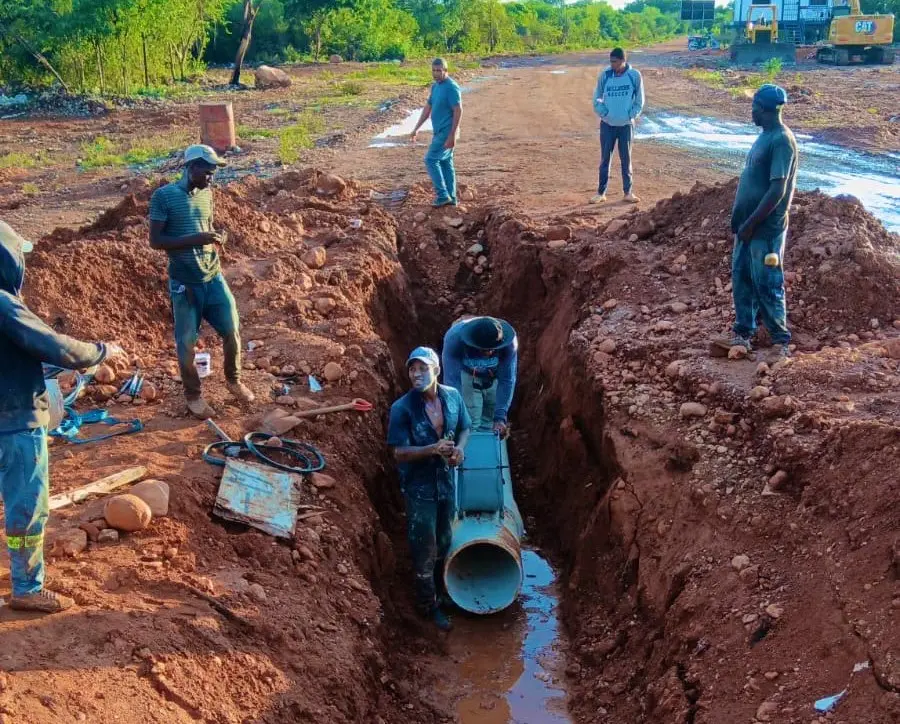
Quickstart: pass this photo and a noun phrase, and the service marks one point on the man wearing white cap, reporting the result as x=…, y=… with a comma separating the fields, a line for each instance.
x=25, y=344
x=427, y=431
x=181, y=224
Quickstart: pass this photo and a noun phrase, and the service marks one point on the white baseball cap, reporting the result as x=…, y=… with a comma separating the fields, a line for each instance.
x=10, y=235
x=200, y=151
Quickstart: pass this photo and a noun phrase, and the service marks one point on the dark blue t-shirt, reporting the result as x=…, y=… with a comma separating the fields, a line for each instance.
x=409, y=426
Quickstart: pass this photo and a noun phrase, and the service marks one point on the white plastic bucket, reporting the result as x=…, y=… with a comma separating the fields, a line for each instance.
x=203, y=364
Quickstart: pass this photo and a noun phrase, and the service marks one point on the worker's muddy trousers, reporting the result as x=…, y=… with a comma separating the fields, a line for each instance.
x=758, y=289
x=439, y=164
x=24, y=478
x=213, y=302
x=429, y=528
x=480, y=401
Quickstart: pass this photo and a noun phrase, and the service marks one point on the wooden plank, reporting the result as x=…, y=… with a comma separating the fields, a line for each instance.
x=102, y=486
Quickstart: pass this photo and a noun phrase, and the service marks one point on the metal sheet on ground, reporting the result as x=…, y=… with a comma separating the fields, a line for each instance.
x=260, y=496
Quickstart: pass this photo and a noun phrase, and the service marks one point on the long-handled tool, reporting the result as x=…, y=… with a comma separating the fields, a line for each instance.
x=358, y=405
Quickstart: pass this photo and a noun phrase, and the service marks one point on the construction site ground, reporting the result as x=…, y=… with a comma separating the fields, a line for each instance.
x=725, y=531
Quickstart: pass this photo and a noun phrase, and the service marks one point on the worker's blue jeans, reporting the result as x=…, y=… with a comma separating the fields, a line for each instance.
x=439, y=163
x=25, y=481
x=191, y=304
x=758, y=289
x=429, y=528
x=609, y=137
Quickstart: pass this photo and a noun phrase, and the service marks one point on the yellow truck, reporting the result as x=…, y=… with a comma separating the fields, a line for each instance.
x=857, y=38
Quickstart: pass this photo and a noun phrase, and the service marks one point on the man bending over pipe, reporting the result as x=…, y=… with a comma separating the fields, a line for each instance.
x=25, y=343
x=480, y=360
x=428, y=429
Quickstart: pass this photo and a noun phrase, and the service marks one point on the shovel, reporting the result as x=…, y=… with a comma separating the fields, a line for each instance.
x=357, y=404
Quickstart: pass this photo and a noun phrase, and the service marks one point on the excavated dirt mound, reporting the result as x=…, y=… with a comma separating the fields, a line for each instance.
x=320, y=638
x=725, y=528
x=728, y=545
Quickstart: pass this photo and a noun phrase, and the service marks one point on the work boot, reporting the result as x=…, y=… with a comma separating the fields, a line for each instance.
x=43, y=601
x=783, y=352
x=734, y=340
x=631, y=198
x=598, y=199
x=200, y=409
x=240, y=392
x=441, y=619
x=438, y=203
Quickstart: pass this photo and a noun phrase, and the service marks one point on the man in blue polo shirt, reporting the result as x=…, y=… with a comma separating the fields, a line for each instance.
x=427, y=431
x=444, y=106
x=181, y=224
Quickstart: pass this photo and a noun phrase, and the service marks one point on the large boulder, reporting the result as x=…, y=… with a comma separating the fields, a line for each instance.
x=154, y=493
x=127, y=512
x=268, y=77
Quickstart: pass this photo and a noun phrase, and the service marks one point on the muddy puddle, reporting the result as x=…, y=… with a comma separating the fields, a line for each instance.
x=873, y=179
x=510, y=666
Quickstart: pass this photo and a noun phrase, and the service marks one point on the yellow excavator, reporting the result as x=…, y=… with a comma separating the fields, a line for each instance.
x=760, y=38
x=857, y=38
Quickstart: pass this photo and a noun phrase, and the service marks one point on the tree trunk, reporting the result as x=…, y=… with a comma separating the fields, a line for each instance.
x=250, y=12
x=39, y=57
x=124, y=67
x=146, y=69
x=100, y=67
x=318, y=42
x=172, y=61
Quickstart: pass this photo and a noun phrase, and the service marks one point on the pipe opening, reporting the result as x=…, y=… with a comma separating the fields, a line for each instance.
x=483, y=577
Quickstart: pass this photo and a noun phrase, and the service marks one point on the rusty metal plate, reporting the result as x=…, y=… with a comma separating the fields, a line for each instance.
x=260, y=496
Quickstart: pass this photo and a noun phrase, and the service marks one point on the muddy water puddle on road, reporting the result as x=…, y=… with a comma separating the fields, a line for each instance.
x=510, y=666
x=873, y=179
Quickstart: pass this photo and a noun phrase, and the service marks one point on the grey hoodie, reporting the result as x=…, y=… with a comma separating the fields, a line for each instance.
x=619, y=99
x=26, y=342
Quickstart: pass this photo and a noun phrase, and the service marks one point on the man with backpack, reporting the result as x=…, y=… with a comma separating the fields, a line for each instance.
x=618, y=100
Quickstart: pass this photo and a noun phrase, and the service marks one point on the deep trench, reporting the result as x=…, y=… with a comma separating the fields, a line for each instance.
x=554, y=409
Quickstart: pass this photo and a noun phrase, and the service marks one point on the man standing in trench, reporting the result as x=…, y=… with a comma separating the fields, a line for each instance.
x=427, y=431
x=481, y=357
x=618, y=100
x=181, y=224
x=25, y=343
x=759, y=221
x=444, y=106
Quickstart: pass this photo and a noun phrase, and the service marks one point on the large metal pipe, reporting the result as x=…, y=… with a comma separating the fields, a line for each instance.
x=483, y=568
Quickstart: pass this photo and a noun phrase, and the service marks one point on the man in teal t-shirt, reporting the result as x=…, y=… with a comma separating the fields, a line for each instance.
x=181, y=224
x=444, y=107
x=759, y=221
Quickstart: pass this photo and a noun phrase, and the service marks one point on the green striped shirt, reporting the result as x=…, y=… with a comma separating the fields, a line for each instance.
x=185, y=213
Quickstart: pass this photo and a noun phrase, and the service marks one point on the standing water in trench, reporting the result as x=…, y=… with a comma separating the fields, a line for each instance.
x=836, y=170
x=509, y=664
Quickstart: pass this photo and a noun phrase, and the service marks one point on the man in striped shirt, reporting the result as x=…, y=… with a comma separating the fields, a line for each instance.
x=181, y=224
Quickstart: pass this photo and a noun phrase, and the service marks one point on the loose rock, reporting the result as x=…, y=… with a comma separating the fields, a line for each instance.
x=740, y=562
x=127, y=512
x=108, y=535
x=608, y=346
x=268, y=77
x=325, y=305
x=328, y=184
x=692, y=409
x=333, y=372
x=559, y=233
x=257, y=592
x=759, y=392
x=70, y=542
x=149, y=392
x=316, y=257
x=155, y=493
x=321, y=481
